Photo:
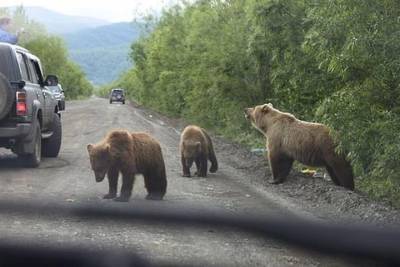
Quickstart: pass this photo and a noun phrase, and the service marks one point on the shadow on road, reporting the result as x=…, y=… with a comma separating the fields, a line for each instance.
x=9, y=160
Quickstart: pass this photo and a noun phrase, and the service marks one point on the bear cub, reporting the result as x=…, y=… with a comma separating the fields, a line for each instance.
x=196, y=146
x=129, y=154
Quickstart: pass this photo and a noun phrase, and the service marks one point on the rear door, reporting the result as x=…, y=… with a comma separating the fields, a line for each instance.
x=32, y=87
x=48, y=96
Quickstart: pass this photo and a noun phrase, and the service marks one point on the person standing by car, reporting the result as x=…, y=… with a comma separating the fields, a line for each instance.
x=5, y=35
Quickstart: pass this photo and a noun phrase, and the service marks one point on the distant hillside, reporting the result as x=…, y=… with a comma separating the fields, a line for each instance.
x=60, y=23
x=103, y=52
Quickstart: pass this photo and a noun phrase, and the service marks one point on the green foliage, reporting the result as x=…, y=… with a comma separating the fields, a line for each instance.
x=332, y=61
x=52, y=52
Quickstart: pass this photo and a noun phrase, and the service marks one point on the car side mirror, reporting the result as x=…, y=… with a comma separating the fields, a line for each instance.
x=51, y=80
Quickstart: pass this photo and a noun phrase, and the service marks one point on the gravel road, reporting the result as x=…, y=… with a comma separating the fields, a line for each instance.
x=239, y=187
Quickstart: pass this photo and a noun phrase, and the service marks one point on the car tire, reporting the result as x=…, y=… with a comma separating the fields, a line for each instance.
x=51, y=146
x=32, y=160
x=6, y=96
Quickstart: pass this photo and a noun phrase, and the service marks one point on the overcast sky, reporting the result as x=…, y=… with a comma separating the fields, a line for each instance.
x=112, y=10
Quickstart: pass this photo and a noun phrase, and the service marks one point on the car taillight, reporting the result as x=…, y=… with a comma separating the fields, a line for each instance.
x=21, y=104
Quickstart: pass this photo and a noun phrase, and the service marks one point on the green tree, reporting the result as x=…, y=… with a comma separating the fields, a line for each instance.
x=332, y=61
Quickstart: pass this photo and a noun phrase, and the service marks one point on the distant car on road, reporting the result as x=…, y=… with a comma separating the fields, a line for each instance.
x=55, y=87
x=117, y=95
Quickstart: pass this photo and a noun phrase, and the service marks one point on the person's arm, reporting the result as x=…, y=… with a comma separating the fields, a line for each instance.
x=8, y=37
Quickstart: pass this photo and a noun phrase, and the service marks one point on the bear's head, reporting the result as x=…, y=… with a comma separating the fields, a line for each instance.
x=100, y=160
x=191, y=151
x=261, y=116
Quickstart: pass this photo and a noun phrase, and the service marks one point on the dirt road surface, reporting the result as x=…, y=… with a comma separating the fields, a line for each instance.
x=68, y=179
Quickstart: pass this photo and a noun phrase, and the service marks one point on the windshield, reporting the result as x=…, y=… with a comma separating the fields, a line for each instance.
x=54, y=89
x=203, y=132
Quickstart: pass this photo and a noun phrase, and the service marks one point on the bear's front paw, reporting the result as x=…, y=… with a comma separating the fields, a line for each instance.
x=109, y=196
x=154, y=197
x=121, y=199
x=275, y=181
x=200, y=174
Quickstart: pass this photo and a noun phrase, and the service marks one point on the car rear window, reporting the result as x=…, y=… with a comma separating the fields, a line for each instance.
x=7, y=66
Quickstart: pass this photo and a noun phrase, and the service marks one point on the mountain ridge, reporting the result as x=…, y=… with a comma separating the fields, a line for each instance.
x=59, y=23
x=103, y=52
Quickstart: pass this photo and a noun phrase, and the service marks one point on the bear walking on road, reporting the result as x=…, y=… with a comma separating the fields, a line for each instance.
x=130, y=154
x=290, y=139
x=196, y=146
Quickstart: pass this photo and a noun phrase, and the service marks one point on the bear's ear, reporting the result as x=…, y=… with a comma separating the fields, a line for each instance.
x=270, y=105
x=89, y=147
x=265, y=108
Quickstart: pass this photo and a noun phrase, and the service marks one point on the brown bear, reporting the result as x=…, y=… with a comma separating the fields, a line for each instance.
x=290, y=139
x=196, y=146
x=130, y=154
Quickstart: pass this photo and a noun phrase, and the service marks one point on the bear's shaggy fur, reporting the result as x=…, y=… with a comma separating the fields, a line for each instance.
x=130, y=154
x=290, y=139
x=196, y=146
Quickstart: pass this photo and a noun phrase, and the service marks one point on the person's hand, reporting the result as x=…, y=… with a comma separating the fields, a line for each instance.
x=21, y=30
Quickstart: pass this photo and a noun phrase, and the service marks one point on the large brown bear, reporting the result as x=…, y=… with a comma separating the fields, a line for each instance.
x=290, y=139
x=130, y=154
x=196, y=146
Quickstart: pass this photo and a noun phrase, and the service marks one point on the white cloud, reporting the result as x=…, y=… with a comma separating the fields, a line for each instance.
x=113, y=10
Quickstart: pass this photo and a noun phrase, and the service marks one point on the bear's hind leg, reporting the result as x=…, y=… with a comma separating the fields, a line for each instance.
x=127, y=186
x=211, y=153
x=214, y=163
x=112, y=182
x=155, y=182
x=332, y=174
x=280, y=167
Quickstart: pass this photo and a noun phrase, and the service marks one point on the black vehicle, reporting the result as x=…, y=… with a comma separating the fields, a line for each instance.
x=117, y=95
x=30, y=122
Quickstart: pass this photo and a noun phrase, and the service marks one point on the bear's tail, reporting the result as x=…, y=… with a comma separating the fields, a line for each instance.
x=211, y=154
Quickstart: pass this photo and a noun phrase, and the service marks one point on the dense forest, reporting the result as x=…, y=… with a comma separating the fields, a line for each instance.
x=52, y=52
x=335, y=62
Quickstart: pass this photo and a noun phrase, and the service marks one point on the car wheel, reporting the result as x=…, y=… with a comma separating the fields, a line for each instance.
x=51, y=146
x=32, y=160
